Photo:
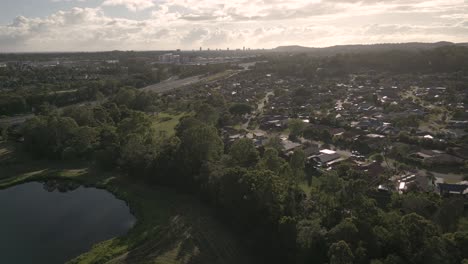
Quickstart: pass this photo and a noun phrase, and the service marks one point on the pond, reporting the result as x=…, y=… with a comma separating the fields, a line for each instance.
x=49, y=223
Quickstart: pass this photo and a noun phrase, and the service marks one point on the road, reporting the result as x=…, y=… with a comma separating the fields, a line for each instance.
x=172, y=83
x=259, y=109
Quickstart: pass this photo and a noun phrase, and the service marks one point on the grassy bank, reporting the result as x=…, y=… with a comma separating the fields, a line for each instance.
x=165, y=123
x=171, y=227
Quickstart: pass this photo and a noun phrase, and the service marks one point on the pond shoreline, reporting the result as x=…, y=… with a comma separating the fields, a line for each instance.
x=58, y=220
x=166, y=220
x=81, y=181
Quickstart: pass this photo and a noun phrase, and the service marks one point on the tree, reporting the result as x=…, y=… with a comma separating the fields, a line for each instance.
x=200, y=144
x=49, y=135
x=311, y=241
x=419, y=203
x=288, y=233
x=45, y=109
x=114, y=111
x=460, y=240
x=12, y=104
x=84, y=140
x=83, y=115
x=239, y=109
x=244, y=153
x=346, y=230
x=227, y=188
x=144, y=101
x=207, y=114
x=340, y=253
x=416, y=231
x=102, y=116
x=297, y=163
x=271, y=161
x=326, y=136
x=125, y=96
x=275, y=143
x=136, y=123
x=311, y=133
x=450, y=211
x=216, y=99
x=135, y=155
x=295, y=127
x=186, y=123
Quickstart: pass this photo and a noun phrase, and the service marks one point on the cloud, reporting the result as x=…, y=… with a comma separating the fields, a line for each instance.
x=188, y=24
x=57, y=1
x=132, y=5
x=194, y=36
x=81, y=29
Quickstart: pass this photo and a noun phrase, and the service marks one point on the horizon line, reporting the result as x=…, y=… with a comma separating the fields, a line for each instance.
x=233, y=49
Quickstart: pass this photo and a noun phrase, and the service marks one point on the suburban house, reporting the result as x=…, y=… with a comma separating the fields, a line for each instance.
x=289, y=146
x=311, y=150
x=446, y=189
x=436, y=157
x=326, y=157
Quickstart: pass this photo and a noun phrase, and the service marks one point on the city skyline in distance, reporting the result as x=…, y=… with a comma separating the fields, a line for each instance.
x=102, y=25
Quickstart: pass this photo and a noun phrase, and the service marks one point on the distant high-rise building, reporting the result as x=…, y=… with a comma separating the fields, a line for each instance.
x=243, y=48
x=200, y=48
x=170, y=58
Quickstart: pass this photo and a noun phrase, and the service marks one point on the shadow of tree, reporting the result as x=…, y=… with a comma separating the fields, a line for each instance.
x=183, y=241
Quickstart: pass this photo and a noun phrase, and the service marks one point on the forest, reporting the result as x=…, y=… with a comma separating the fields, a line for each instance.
x=343, y=219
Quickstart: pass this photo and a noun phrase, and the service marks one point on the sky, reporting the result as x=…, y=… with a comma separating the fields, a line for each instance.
x=98, y=25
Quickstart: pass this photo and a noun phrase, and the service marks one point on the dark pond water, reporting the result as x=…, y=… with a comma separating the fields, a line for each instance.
x=39, y=224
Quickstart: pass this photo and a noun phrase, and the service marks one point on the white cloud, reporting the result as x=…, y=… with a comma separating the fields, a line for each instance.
x=189, y=24
x=57, y=1
x=133, y=5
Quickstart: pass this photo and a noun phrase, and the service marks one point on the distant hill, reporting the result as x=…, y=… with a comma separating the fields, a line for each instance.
x=294, y=48
x=411, y=46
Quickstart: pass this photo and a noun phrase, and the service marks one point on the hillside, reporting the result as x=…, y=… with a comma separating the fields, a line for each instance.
x=411, y=46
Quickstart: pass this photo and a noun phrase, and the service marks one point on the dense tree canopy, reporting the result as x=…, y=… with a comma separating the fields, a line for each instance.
x=338, y=218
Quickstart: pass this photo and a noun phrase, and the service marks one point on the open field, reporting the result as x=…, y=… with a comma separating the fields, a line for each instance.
x=165, y=123
x=221, y=75
x=171, y=227
x=174, y=82
x=171, y=83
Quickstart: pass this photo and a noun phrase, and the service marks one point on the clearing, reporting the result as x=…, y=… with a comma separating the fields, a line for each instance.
x=164, y=123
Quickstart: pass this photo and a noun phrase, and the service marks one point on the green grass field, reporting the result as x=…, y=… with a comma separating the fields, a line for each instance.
x=171, y=228
x=165, y=123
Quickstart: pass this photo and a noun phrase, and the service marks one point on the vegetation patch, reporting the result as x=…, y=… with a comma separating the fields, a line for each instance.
x=165, y=123
x=170, y=228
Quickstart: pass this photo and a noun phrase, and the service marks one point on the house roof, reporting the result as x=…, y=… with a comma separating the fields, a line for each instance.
x=311, y=150
x=327, y=151
x=452, y=188
x=289, y=145
x=325, y=158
